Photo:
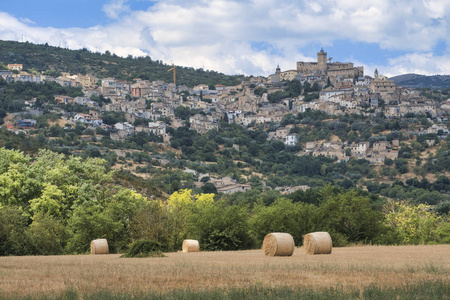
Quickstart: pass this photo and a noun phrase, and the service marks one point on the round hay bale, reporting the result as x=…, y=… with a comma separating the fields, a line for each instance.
x=190, y=246
x=99, y=246
x=278, y=244
x=318, y=243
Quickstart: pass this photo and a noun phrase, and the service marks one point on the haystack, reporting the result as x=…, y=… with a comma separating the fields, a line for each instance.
x=190, y=246
x=99, y=246
x=278, y=244
x=318, y=243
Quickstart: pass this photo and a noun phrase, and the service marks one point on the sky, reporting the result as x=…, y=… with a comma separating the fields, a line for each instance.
x=249, y=37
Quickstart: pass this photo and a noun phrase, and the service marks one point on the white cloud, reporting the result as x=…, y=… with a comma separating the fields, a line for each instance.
x=419, y=63
x=115, y=8
x=220, y=34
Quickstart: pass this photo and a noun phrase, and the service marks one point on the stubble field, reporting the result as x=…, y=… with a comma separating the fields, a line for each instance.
x=349, y=268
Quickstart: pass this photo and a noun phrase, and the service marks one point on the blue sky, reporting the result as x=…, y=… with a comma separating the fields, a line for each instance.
x=65, y=13
x=244, y=37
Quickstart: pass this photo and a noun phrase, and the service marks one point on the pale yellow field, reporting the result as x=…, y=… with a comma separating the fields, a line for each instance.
x=350, y=267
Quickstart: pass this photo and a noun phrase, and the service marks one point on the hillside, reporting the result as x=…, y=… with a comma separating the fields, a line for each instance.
x=230, y=183
x=54, y=60
x=422, y=81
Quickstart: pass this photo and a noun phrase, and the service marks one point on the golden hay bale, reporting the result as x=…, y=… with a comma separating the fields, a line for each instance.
x=278, y=244
x=99, y=246
x=191, y=246
x=318, y=243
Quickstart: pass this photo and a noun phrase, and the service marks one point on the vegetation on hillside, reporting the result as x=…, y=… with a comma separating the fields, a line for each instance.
x=54, y=60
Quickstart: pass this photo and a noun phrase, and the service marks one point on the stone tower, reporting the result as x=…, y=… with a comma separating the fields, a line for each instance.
x=322, y=61
x=375, y=74
x=278, y=70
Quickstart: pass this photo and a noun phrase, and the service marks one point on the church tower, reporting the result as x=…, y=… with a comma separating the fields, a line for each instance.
x=322, y=62
x=375, y=74
x=278, y=70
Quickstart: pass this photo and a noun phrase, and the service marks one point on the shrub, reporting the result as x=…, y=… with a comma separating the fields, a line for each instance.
x=144, y=248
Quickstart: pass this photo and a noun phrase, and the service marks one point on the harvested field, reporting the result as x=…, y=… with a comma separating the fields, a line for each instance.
x=350, y=267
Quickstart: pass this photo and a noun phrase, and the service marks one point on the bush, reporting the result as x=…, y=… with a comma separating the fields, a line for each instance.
x=13, y=238
x=47, y=235
x=144, y=248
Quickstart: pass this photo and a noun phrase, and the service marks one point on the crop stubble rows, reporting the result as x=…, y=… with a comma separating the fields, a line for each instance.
x=350, y=267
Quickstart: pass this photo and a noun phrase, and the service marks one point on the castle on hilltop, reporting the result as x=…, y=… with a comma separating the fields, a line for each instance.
x=323, y=69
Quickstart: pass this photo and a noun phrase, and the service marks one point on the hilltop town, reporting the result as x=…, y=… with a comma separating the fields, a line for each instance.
x=271, y=104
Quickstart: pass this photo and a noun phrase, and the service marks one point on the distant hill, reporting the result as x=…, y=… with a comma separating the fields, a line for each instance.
x=54, y=60
x=422, y=81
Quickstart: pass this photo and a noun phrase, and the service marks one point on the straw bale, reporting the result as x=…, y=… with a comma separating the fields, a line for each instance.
x=318, y=243
x=278, y=244
x=99, y=246
x=191, y=246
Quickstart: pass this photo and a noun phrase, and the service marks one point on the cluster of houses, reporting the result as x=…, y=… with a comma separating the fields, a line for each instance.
x=375, y=153
x=345, y=89
x=228, y=185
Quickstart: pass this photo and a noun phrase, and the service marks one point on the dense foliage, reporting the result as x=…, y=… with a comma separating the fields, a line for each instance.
x=51, y=205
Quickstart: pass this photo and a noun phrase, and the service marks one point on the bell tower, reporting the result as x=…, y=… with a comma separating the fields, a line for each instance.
x=322, y=62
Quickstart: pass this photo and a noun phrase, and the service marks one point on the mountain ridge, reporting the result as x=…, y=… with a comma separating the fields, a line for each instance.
x=413, y=80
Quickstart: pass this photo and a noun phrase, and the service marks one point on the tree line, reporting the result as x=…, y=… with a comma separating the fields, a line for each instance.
x=52, y=204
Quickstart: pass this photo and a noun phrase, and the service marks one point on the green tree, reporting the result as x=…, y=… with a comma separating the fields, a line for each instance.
x=350, y=214
x=88, y=222
x=413, y=224
x=209, y=188
x=13, y=237
x=47, y=235
x=150, y=223
x=219, y=226
x=283, y=216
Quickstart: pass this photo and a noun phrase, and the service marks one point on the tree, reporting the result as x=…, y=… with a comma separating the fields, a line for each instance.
x=259, y=91
x=51, y=201
x=349, y=213
x=401, y=165
x=179, y=205
x=413, y=224
x=13, y=238
x=90, y=222
x=283, y=216
x=182, y=112
x=221, y=227
x=47, y=235
x=150, y=223
x=209, y=188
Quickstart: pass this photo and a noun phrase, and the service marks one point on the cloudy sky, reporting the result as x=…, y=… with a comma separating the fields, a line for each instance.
x=244, y=37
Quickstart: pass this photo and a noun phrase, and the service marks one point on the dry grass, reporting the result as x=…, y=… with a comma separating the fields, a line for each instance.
x=351, y=267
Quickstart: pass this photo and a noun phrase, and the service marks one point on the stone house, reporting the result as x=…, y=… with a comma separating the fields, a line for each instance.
x=157, y=128
x=359, y=149
x=203, y=124
x=61, y=99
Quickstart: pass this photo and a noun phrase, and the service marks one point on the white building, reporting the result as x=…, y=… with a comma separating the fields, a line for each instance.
x=87, y=119
x=291, y=140
x=157, y=128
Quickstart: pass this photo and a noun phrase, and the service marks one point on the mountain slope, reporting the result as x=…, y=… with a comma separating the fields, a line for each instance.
x=422, y=81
